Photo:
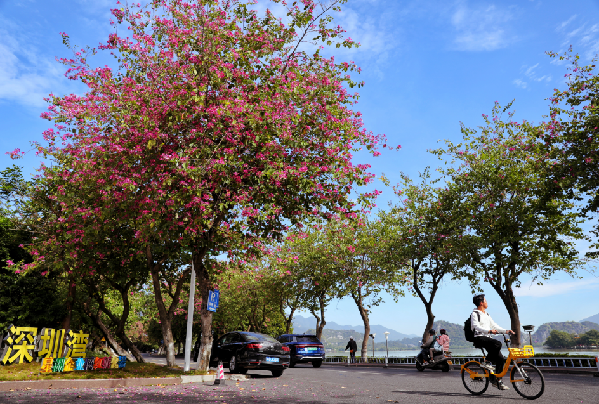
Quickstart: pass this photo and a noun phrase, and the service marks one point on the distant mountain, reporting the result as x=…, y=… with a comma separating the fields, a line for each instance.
x=303, y=324
x=572, y=327
x=593, y=319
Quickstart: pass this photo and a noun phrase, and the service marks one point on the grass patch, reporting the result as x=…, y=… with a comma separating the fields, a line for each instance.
x=31, y=371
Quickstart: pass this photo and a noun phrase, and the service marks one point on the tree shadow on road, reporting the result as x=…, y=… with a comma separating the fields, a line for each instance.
x=446, y=394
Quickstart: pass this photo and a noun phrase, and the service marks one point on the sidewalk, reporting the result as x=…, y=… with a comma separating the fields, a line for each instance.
x=118, y=383
x=111, y=383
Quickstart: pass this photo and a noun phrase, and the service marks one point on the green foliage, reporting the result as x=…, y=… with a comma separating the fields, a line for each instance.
x=33, y=299
x=560, y=339
x=571, y=327
x=590, y=337
x=515, y=223
x=564, y=339
x=571, y=138
x=423, y=233
x=249, y=301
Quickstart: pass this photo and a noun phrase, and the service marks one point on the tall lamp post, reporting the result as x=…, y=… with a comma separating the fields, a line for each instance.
x=387, y=347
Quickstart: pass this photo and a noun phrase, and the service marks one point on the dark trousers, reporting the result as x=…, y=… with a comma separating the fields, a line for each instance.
x=493, y=348
x=352, y=356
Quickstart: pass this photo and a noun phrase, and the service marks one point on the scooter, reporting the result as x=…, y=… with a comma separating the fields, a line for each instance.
x=441, y=360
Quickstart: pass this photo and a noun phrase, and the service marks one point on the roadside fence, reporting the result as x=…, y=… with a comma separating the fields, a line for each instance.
x=563, y=362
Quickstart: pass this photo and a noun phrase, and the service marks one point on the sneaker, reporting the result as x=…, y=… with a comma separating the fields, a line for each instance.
x=488, y=366
x=499, y=384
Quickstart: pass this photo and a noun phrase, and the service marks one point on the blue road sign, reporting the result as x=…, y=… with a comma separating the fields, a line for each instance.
x=213, y=300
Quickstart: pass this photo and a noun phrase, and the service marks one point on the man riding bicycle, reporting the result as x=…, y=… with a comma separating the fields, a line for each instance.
x=483, y=325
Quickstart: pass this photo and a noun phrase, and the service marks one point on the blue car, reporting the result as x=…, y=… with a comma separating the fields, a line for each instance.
x=303, y=349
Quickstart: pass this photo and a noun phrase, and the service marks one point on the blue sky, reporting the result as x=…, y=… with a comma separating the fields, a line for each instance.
x=427, y=65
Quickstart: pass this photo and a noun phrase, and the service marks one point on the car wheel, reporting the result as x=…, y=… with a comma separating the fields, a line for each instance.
x=316, y=364
x=277, y=373
x=291, y=364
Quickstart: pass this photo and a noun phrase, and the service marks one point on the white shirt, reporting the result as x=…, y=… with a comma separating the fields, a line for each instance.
x=486, y=323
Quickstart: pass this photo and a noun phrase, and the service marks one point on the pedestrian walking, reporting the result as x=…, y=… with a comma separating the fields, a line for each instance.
x=353, y=347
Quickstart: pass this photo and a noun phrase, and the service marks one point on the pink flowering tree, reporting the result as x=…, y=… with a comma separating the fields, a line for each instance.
x=515, y=224
x=219, y=127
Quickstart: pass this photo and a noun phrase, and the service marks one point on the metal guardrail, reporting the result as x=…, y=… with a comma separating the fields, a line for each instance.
x=563, y=362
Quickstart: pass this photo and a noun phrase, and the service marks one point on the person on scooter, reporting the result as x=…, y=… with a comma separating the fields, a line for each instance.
x=440, y=345
x=443, y=340
x=428, y=346
x=483, y=325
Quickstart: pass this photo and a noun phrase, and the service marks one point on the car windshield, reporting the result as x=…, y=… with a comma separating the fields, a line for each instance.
x=258, y=337
x=307, y=338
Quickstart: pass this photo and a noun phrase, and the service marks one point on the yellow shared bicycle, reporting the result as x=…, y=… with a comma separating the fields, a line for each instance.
x=526, y=378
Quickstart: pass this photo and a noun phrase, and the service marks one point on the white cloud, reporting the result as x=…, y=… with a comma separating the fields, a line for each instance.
x=373, y=33
x=531, y=73
x=483, y=28
x=565, y=23
x=520, y=83
x=26, y=76
x=585, y=40
x=553, y=289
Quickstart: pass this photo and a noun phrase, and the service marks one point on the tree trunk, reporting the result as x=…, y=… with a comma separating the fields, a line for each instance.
x=131, y=346
x=509, y=300
x=119, y=322
x=66, y=322
x=364, y=314
x=97, y=319
x=322, y=320
x=289, y=321
x=512, y=309
x=429, y=322
x=204, y=285
x=166, y=317
x=428, y=303
x=317, y=317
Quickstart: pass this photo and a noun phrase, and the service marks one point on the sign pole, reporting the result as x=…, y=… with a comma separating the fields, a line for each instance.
x=190, y=306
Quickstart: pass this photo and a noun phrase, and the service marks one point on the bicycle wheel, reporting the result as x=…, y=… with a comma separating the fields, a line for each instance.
x=531, y=383
x=475, y=378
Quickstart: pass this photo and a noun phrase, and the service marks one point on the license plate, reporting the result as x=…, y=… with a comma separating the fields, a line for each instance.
x=269, y=359
x=312, y=349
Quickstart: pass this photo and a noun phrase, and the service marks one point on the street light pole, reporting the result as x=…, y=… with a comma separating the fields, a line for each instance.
x=387, y=347
x=372, y=336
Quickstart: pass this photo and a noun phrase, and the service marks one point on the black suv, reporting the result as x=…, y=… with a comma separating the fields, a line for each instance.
x=303, y=348
x=250, y=350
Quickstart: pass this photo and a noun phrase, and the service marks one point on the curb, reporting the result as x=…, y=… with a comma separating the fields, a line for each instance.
x=211, y=378
x=86, y=383
x=110, y=383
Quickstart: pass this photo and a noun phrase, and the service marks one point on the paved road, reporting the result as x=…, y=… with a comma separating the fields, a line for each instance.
x=328, y=384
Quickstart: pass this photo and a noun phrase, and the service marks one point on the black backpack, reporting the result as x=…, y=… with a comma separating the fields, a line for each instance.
x=468, y=332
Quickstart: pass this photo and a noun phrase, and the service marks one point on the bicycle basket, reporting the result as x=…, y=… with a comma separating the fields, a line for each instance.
x=525, y=352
